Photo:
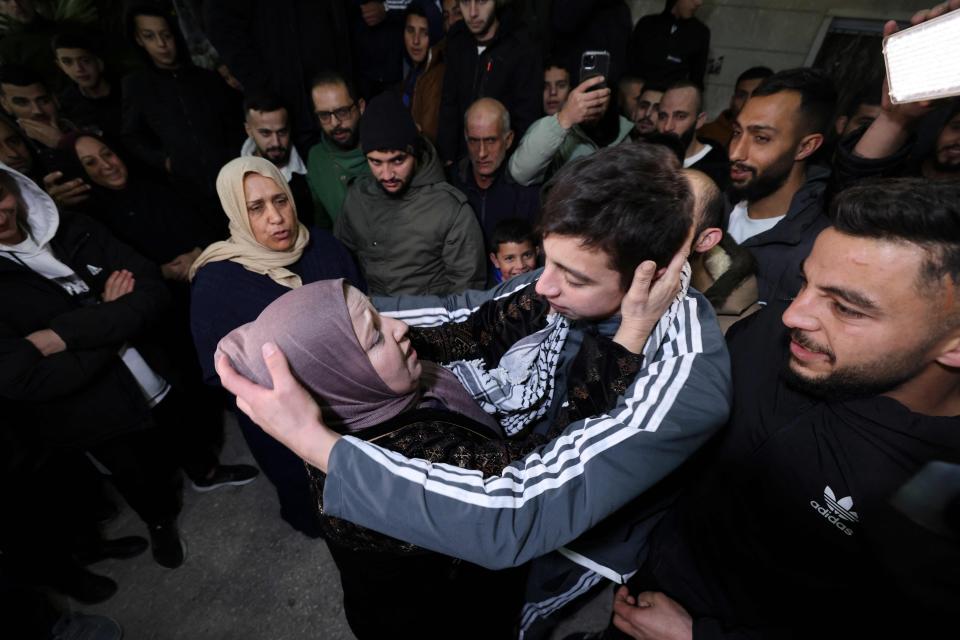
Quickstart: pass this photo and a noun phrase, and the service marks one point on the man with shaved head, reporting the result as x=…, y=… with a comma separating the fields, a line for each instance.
x=492, y=193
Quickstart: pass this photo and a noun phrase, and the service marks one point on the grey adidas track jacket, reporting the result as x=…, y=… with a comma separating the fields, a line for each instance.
x=678, y=400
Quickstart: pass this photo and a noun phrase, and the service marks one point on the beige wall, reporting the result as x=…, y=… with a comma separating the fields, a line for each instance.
x=775, y=33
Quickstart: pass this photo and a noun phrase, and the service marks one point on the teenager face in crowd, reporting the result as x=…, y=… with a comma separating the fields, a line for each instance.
x=386, y=342
x=451, y=14
x=416, y=38
x=556, y=88
x=153, y=33
x=103, y=166
x=862, y=117
x=270, y=212
x=270, y=132
x=577, y=280
x=81, y=66
x=868, y=317
x=480, y=17
x=393, y=170
x=338, y=114
x=764, y=145
x=13, y=149
x=32, y=102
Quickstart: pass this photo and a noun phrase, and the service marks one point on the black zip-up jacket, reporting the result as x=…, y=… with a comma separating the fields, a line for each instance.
x=189, y=115
x=780, y=251
x=791, y=531
x=509, y=70
x=86, y=393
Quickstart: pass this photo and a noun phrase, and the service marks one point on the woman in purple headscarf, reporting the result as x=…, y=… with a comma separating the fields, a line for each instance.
x=369, y=381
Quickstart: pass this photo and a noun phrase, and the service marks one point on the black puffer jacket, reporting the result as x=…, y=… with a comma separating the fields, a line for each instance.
x=509, y=69
x=84, y=394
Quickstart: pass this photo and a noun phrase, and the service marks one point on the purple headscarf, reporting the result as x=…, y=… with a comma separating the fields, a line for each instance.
x=312, y=327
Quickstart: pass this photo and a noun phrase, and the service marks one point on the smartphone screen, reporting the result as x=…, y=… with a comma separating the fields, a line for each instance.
x=918, y=60
x=594, y=63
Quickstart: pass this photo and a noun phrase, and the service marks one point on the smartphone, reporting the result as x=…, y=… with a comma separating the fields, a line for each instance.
x=918, y=60
x=594, y=63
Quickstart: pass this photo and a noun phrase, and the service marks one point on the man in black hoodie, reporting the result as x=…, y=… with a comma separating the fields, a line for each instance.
x=670, y=46
x=488, y=56
x=825, y=508
x=779, y=195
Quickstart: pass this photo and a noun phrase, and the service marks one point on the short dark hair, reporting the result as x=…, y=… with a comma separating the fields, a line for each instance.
x=630, y=201
x=325, y=78
x=156, y=9
x=553, y=63
x=671, y=142
x=68, y=40
x=264, y=102
x=413, y=9
x=869, y=95
x=20, y=76
x=754, y=73
x=915, y=210
x=713, y=206
x=689, y=84
x=512, y=230
x=818, y=96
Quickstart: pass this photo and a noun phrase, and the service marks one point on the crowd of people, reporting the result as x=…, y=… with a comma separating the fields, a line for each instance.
x=540, y=394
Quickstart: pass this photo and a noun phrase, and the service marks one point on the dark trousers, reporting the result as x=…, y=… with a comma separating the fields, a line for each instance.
x=426, y=595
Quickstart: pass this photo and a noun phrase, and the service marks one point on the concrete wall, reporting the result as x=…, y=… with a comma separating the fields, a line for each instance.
x=775, y=33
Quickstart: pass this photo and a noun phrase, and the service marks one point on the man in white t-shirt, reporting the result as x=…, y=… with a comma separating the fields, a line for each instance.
x=779, y=196
x=681, y=114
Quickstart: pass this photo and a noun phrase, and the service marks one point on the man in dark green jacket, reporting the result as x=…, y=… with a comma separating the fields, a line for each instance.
x=411, y=231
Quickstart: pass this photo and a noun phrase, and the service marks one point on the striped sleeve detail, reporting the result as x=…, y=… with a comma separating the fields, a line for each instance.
x=647, y=404
x=435, y=316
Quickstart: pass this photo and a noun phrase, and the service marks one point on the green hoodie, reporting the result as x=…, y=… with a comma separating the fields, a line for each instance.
x=330, y=170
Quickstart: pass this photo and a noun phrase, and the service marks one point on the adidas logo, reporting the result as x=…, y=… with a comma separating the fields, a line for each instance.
x=836, y=512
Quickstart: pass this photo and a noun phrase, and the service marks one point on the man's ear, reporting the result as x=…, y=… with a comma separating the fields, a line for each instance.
x=509, y=138
x=808, y=146
x=708, y=239
x=248, y=128
x=950, y=354
x=493, y=260
x=362, y=104
x=840, y=124
x=701, y=120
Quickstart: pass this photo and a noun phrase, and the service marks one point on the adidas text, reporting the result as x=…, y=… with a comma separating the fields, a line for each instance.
x=831, y=517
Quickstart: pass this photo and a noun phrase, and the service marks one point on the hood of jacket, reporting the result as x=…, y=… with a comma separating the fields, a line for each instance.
x=42, y=216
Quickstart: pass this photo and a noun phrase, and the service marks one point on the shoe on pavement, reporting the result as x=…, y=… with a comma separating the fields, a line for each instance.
x=226, y=475
x=169, y=550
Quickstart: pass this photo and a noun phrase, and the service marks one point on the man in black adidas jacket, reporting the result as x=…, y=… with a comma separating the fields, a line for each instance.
x=806, y=520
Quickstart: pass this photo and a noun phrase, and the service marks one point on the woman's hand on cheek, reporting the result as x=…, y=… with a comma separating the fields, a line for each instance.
x=287, y=412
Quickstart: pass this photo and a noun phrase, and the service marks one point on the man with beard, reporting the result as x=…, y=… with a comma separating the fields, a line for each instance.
x=267, y=123
x=336, y=161
x=779, y=198
x=584, y=125
x=489, y=55
x=681, y=115
x=806, y=519
x=648, y=111
x=411, y=232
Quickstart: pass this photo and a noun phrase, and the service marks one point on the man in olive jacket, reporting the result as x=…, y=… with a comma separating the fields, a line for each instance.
x=411, y=231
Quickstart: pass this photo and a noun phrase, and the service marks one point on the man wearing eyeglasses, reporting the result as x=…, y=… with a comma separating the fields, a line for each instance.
x=336, y=161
